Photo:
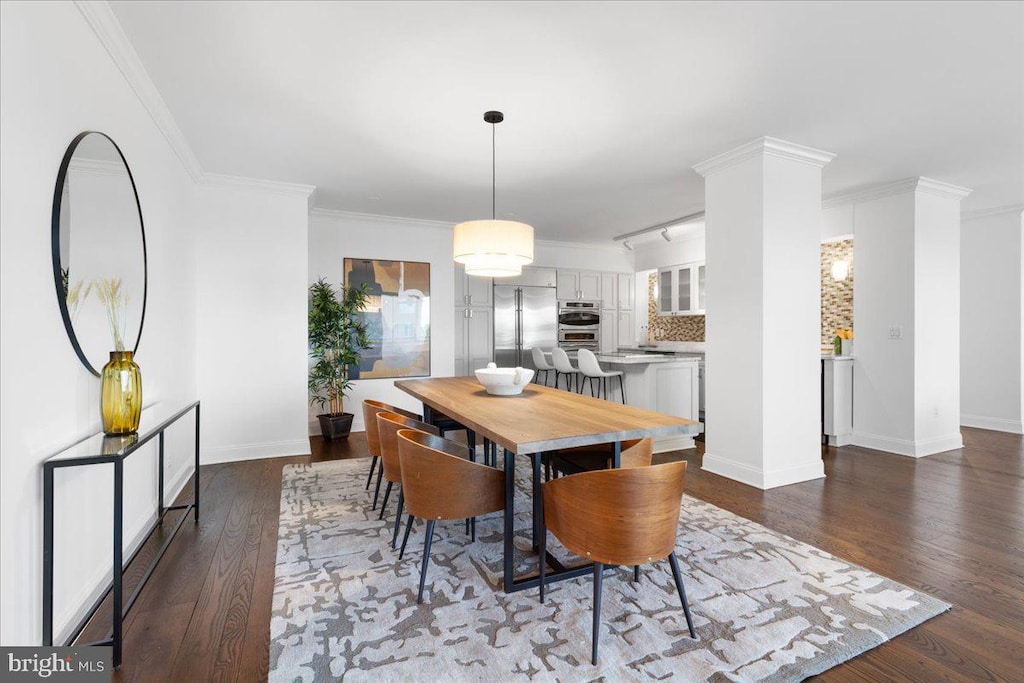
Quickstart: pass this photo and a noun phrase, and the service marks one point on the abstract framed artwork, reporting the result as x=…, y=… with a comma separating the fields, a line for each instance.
x=397, y=316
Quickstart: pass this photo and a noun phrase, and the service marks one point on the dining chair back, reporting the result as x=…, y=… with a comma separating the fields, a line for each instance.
x=370, y=410
x=617, y=517
x=439, y=483
x=388, y=424
x=635, y=453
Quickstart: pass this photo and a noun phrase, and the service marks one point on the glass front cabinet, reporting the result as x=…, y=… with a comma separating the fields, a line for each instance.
x=681, y=289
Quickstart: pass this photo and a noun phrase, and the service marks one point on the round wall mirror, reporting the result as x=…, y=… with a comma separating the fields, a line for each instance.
x=99, y=250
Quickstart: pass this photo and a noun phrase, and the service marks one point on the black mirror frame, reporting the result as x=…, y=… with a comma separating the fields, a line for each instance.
x=58, y=280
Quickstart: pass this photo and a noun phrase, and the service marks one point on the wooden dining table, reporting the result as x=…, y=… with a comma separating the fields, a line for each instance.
x=538, y=420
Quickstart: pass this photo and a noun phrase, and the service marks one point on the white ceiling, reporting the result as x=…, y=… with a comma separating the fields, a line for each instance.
x=607, y=105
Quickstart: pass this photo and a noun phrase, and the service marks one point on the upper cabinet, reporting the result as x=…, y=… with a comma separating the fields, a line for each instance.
x=578, y=284
x=617, y=291
x=532, y=277
x=471, y=290
x=681, y=289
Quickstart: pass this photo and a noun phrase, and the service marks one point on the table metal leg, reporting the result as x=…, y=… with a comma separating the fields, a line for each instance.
x=118, y=616
x=160, y=477
x=537, y=500
x=471, y=441
x=47, y=555
x=428, y=414
x=195, y=482
x=510, y=487
x=617, y=455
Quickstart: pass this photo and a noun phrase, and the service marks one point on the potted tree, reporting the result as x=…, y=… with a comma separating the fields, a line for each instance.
x=337, y=335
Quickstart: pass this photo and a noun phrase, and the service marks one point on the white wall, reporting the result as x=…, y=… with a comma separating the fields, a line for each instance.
x=334, y=236
x=991, y=262
x=652, y=254
x=47, y=399
x=251, y=321
x=837, y=222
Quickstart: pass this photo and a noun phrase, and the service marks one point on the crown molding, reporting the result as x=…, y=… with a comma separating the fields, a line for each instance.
x=104, y=24
x=238, y=183
x=919, y=184
x=765, y=146
x=98, y=167
x=992, y=211
x=579, y=245
x=338, y=214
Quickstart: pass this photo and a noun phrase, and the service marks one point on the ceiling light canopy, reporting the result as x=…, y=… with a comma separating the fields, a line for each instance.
x=493, y=248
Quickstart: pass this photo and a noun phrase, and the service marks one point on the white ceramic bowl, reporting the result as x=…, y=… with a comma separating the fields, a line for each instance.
x=504, y=381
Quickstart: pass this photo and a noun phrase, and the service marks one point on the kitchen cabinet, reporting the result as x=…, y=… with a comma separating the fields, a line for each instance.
x=609, y=291
x=474, y=339
x=837, y=400
x=681, y=289
x=624, y=285
x=471, y=290
x=532, y=277
x=609, y=332
x=625, y=332
x=578, y=284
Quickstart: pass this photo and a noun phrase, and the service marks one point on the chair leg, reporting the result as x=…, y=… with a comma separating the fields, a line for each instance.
x=622, y=387
x=376, y=493
x=636, y=573
x=398, y=517
x=369, y=477
x=472, y=527
x=682, y=592
x=384, y=504
x=405, y=537
x=598, y=576
x=426, y=559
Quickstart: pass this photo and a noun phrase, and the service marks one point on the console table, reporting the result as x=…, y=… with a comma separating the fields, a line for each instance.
x=98, y=449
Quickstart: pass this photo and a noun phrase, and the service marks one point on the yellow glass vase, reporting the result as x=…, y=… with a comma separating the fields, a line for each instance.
x=121, y=394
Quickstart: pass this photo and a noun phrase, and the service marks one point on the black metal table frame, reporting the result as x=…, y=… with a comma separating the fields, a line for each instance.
x=120, y=608
x=559, y=572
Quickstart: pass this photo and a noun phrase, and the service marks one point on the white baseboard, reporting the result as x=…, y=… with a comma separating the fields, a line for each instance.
x=255, y=451
x=997, y=424
x=840, y=440
x=761, y=479
x=913, y=449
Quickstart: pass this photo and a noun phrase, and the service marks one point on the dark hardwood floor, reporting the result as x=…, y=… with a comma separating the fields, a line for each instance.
x=951, y=525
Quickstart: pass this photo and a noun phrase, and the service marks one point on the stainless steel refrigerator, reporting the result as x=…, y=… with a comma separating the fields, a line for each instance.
x=524, y=317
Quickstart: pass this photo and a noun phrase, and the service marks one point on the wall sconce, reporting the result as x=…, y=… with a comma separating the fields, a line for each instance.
x=840, y=270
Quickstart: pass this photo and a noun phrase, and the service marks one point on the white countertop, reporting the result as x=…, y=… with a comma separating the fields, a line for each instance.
x=640, y=358
x=673, y=346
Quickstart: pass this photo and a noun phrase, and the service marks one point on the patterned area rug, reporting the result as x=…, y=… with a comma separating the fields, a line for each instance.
x=766, y=607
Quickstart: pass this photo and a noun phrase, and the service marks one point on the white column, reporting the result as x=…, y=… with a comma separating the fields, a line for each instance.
x=991, y=323
x=763, y=391
x=906, y=303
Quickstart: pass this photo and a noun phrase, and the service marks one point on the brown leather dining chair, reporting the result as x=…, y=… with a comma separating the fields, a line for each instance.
x=370, y=410
x=440, y=483
x=617, y=517
x=388, y=425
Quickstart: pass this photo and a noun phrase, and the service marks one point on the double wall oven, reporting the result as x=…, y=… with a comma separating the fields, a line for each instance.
x=579, y=325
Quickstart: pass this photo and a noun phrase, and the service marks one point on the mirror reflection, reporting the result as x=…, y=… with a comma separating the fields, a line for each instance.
x=99, y=251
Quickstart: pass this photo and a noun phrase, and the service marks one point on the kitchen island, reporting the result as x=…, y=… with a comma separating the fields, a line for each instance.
x=662, y=383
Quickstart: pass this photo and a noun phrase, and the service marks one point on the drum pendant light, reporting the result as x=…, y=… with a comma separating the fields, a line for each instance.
x=493, y=248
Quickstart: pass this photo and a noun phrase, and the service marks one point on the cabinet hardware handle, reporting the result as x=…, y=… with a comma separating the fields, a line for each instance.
x=470, y=312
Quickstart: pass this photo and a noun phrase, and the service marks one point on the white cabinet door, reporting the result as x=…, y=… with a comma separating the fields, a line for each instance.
x=460, y=286
x=700, y=279
x=461, y=337
x=590, y=285
x=480, y=338
x=609, y=337
x=479, y=291
x=624, y=285
x=567, y=284
x=609, y=291
x=684, y=289
x=666, y=292
x=677, y=390
x=624, y=329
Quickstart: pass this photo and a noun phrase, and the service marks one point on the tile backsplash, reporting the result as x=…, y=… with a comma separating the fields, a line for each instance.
x=671, y=327
x=836, y=296
x=836, y=302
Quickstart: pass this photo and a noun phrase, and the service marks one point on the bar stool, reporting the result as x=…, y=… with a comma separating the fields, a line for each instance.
x=591, y=370
x=541, y=364
x=560, y=359
x=370, y=410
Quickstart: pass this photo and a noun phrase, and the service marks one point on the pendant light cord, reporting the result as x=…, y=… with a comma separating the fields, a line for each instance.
x=493, y=182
